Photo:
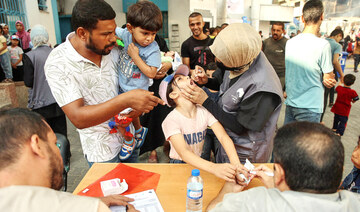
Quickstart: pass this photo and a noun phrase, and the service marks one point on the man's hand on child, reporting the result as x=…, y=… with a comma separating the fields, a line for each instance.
x=225, y=171
x=133, y=51
x=141, y=100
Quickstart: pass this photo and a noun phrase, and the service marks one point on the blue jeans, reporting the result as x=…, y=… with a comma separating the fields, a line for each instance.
x=293, y=114
x=6, y=65
x=134, y=158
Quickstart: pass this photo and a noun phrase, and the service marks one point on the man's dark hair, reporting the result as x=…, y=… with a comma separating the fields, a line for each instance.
x=16, y=128
x=349, y=79
x=279, y=24
x=1, y=30
x=195, y=14
x=336, y=32
x=312, y=11
x=86, y=13
x=146, y=15
x=311, y=155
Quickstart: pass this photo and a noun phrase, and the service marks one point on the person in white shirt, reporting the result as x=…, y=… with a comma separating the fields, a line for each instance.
x=309, y=160
x=83, y=77
x=31, y=169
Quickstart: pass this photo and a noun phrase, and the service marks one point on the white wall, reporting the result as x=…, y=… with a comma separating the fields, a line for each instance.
x=120, y=15
x=276, y=13
x=265, y=27
x=221, y=13
x=36, y=16
x=178, y=13
x=206, y=5
x=115, y=4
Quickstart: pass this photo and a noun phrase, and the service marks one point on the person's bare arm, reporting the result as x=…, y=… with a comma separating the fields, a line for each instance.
x=133, y=52
x=186, y=61
x=337, y=67
x=19, y=60
x=4, y=47
x=90, y=115
x=166, y=66
x=230, y=150
x=225, y=171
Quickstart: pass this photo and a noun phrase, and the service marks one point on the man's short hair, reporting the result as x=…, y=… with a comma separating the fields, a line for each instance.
x=311, y=155
x=146, y=15
x=279, y=24
x=336, y=32
x=312, y=11
x=349, y=79
x=86, y=13
x=195, y=14
x=16, y=128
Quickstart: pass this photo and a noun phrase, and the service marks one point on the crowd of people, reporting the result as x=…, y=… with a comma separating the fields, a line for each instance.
x=222, y=98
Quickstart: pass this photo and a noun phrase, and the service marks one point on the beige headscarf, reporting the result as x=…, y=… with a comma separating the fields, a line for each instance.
x=237, y=45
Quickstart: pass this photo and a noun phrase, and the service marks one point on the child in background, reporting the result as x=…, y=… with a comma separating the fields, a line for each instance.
x=16, y=54
x=185, y=127
x=342, y=106
x=5, y=58
x=352, y=181
x=139, y=60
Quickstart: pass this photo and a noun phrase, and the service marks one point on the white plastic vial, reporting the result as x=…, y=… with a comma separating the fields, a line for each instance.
x=194, y=194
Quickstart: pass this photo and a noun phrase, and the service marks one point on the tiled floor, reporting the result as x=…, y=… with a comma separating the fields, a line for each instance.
x=79, y=165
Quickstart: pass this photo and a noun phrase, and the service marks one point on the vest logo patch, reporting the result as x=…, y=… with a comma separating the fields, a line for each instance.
x=236, y=98
x=240, y=92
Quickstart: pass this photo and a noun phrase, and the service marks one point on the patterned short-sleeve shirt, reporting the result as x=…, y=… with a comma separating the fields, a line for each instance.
x=72, y=77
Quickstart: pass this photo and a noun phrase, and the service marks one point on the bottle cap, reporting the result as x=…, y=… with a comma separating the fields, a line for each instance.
x=195, y=172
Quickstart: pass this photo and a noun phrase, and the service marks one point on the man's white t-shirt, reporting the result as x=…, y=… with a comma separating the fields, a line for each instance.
x=72, y=77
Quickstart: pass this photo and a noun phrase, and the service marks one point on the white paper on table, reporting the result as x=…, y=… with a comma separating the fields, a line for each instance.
x=145, y=201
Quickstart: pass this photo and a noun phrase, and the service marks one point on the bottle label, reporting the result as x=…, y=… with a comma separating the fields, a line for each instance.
x=194, y=194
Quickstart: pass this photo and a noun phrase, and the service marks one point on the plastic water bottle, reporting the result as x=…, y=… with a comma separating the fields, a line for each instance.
x=194, y=195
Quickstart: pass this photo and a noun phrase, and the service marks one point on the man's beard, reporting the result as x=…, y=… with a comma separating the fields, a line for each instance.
x=91, y=46
x=56, y=170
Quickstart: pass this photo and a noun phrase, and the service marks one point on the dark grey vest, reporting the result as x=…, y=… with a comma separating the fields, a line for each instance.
x=261, y=77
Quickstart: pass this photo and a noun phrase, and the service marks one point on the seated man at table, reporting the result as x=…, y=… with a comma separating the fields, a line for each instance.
x=308, y=167
x=31, y=168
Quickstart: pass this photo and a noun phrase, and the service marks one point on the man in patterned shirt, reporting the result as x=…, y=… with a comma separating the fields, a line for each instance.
x=82, y=75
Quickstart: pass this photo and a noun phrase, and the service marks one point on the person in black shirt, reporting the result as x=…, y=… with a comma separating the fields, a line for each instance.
x=195, y=50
